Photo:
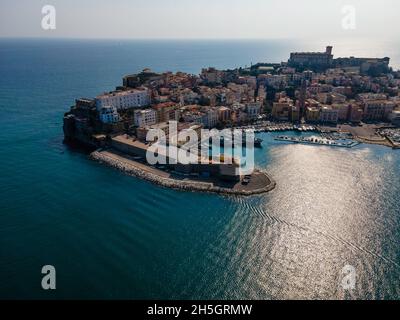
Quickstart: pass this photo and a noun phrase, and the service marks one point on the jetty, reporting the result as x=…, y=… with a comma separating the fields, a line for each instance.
x=258, y=183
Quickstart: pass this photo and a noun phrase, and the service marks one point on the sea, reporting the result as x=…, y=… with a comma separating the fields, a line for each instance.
x=330, y=229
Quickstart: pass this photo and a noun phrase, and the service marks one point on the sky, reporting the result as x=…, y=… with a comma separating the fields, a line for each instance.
x=201, y=19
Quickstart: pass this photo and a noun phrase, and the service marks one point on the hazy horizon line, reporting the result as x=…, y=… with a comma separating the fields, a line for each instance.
x=316, y=39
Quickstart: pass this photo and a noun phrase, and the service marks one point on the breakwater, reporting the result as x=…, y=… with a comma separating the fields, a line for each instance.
x=262, y=182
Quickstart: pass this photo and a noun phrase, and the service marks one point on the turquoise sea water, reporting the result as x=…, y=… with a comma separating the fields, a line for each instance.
x=113, y=236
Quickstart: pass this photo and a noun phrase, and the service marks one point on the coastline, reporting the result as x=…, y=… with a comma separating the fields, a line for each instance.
x=382, y=142
x=159, y=177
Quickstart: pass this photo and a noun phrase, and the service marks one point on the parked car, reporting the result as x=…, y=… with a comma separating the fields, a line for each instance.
x=246, y=180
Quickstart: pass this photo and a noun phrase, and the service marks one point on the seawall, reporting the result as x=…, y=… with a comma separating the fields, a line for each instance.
x=127, y=165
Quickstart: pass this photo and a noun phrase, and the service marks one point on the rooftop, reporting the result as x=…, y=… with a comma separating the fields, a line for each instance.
x=130, y=141
x=164, y=105
x=122, y=93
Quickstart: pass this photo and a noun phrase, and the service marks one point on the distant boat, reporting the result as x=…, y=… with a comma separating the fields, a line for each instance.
x=258, y=142
x=318, y=141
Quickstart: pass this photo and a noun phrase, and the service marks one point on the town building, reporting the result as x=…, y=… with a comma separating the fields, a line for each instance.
x=377, y=110
x=134, y=98
x=276, y=81
x=328, y=115
x=312, y=59
x=141, y=132
x=224, y=114
x=210, y=118
x=363, y=97
x=253, y=110
x=202, y=166
x=167, y=111
x=330, y=98
x=394, y=117
x=212, y=76
x=137, y=80
x=193, y=117
x=109, y=114
x=143, y=118
x=282, y=109
x=239, y=117
x=84, y=108
x=343, y=111
x=312, y=114
x=356, y=113
x=294, y=115
x=365, y=65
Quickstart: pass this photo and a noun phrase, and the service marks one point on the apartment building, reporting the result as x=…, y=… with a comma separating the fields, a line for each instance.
x=281, y=109
x=135, y=98
x=328, y=115
x=109, y=114
x=143, y=118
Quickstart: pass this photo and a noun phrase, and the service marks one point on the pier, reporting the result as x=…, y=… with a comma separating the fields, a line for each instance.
x=318, y=141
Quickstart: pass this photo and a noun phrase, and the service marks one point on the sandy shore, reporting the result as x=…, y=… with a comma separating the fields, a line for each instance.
x=260, y=182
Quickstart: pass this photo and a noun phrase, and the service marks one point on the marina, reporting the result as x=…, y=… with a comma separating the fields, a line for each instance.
x=279, y=127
